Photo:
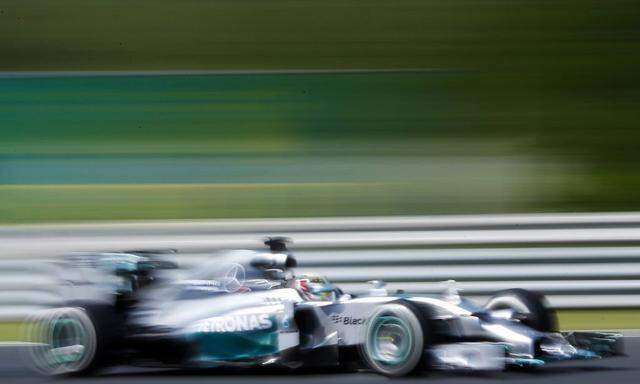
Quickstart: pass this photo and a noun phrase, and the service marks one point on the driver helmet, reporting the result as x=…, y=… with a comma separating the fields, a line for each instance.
x=314, y=287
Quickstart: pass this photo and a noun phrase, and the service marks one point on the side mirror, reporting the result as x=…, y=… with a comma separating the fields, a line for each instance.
x=377, y=288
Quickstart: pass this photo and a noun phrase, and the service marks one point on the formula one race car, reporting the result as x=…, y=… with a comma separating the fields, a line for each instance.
x=250, y=309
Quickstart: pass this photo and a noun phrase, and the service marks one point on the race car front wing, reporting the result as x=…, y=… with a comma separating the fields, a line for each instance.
x=483, y=356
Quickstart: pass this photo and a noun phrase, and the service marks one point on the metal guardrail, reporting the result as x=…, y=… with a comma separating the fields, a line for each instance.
x=578, y=260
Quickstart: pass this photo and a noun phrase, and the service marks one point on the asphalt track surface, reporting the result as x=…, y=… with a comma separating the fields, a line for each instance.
x=617, y=370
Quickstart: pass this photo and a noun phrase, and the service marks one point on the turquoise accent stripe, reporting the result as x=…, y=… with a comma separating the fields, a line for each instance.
x=228, y=346
x=214, y=347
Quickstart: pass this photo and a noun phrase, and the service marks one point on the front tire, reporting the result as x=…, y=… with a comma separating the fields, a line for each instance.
x=529, y=307
x=394, y=340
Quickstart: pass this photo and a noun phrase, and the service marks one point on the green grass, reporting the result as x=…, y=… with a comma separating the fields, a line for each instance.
x=569, y=320
x=599, y=319
x=551, y=85
x=232, y=114
x=119, y=34
x=428, y=141
x=73, y=202
x=10, y=331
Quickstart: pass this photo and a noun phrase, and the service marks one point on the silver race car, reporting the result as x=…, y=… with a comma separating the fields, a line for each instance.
x=250, y=309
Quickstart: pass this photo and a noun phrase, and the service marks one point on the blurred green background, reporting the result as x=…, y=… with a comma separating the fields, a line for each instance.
x=409, y=107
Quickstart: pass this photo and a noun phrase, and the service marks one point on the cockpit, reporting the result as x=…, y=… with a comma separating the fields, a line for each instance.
x=244, y=271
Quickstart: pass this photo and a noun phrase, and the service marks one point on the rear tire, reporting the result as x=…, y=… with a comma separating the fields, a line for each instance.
x=394, y=340
x=531, y=308
x=70, y=340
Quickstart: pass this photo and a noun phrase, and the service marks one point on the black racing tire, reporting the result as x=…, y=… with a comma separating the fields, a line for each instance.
x=108, y=324
x=394, y=339
x=531, y=308
x=86, y=333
